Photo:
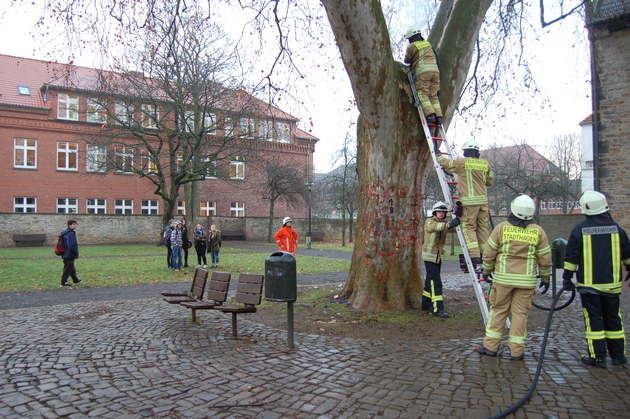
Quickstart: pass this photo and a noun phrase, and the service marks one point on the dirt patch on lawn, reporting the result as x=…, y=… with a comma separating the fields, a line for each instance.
x=318, y=312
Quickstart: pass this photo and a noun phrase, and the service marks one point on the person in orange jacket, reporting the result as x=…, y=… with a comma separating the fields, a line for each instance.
x=287, y=237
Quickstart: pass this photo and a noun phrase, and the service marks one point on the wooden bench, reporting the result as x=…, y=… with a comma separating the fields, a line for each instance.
x=232, y=235
x=29, y=238
x=317, y=236
x=197, y=289
x=218, y=287
x=249, y=294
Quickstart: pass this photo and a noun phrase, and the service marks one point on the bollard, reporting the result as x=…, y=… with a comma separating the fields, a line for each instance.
x=558, y=251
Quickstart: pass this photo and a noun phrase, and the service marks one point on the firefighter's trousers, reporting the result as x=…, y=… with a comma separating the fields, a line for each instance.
x=475, y=221
x=604, y=327
x=516, y=302
x=428, y=86
x=432, y=298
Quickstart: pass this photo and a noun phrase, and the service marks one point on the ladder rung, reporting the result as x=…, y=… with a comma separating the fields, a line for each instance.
x=437, y=138
x=456, y=197
x=452, y=182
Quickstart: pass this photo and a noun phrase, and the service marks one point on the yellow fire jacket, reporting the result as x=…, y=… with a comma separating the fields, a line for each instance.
x=434, y=239
x=420, y=55
x=473, y=177
x=517, y=255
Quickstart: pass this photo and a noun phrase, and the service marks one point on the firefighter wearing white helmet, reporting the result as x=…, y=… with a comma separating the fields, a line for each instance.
x=517, y=253
x=435, y=231
x=474, y=175
x=596, y=250
x=287, y=238
x=422, y=59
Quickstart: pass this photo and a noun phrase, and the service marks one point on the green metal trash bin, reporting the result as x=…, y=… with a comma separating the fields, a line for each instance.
x=280, y=277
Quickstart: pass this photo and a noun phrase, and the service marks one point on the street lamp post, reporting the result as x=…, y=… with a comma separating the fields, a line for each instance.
x=309, y=211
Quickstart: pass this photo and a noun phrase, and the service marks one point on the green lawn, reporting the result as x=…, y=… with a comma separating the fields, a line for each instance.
x=37, y=268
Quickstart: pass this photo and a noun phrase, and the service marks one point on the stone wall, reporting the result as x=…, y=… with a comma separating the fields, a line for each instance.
x=132, y=229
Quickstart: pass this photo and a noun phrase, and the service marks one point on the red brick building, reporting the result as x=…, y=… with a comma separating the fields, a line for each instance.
x=48, y=111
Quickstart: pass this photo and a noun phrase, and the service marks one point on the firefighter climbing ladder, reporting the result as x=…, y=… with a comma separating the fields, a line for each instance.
x=434, y=144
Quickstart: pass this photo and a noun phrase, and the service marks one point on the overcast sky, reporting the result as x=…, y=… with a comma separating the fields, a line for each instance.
x=323, y=98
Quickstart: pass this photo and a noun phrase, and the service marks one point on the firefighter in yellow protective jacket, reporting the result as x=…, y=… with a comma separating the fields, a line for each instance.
x=426, y=73
x=518, y=251
x=435, y=229
x=597, y=249
x=474, y=174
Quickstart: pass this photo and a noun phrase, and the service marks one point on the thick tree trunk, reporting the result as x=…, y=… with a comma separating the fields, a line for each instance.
x=392, y=152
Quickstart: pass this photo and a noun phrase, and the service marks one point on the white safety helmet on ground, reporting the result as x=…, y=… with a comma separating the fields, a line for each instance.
x=470, y=145
x=412, y=31
x=439, y=206
x=523, y=207
x=593, y=203
x=286, y=220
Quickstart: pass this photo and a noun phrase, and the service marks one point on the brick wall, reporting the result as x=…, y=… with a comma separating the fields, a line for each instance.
x=611, y=56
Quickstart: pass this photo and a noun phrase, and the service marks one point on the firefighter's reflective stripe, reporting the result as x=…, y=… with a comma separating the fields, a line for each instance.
x=433, y=297
x=591, y=335
x=424, y=66
x=519, y=340
x=615, y=334
x=570, y=266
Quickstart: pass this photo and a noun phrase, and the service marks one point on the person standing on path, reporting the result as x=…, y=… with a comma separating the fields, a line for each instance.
x=518, y=252
x=597, y=249
x=473, y=175
x=166, y=240
x=287, y=238
x=435, y=230
x=72, y=252
x=176, y=246
x=214, y=245
x=200, y=245
x=186, y=243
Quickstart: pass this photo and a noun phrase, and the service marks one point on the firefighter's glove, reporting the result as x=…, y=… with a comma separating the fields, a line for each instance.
x=567, y=282
x=544, y=285
x=459, y=210
x=487, y=278
x=454, y=223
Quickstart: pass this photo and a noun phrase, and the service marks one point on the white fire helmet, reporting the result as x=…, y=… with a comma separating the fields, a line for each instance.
x=593, y=203
x=523, y=207
x=286, y=220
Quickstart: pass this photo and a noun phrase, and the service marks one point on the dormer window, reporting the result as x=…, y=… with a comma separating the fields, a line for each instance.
x=24, y=90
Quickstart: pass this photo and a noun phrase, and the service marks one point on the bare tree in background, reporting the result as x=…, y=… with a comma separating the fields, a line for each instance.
x=342, y=185
x=565, y=152
x=280, y=181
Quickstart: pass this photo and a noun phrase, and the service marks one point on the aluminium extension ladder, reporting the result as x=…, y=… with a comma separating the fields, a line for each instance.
x=434, y=142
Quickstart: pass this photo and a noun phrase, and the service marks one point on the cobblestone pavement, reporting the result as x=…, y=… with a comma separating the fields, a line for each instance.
x=145, y=358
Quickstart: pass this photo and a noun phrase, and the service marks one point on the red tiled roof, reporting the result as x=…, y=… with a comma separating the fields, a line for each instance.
x=35, y=74
x=525, y=155
x=305, y=135
x=587, y=121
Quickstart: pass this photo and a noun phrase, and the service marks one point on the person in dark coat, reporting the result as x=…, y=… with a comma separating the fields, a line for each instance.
x=72, y=252
x=186, y=244
x=214, y=245
x=200, y=245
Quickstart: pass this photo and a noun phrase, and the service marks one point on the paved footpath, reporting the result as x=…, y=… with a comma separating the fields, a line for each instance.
x=145, y=358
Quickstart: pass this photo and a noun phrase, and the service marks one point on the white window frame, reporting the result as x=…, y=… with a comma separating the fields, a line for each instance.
x=96, y=206
x=148, y=165
x=552, y=205
x=22, y=149
x=96, y=158
x=208, y=208
x=67, y=107
x=181, y=208
x=559, y=204
x=569, y=204
x=25, y=204
x=24, y=90
x=96, y=113
x=150, y=116
x=284, y=132
x=228, y=126
x=237, y=209
x=123, y=206
x=543, y=205
x=237, y=169
x=210, y=124
x=67, y=156
x=246, y=127
x=124, y=159
x=189, y=121
x=121, y=113
x=211, y=171
x=150, y=207
x=67, y=206
x=265, y=130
